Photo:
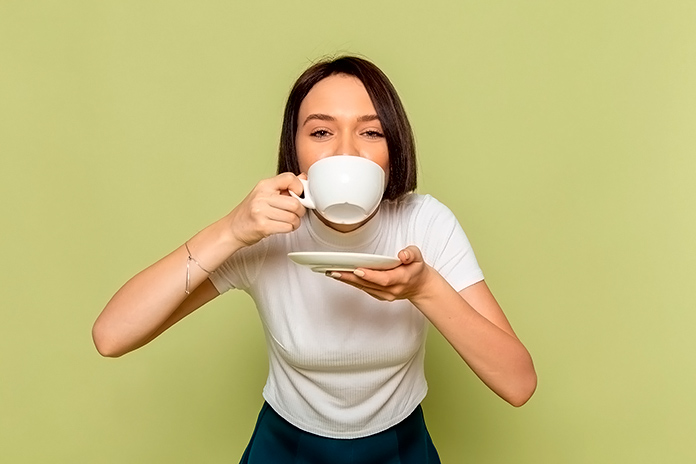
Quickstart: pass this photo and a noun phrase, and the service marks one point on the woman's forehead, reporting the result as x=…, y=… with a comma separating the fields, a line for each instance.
x=338, y=93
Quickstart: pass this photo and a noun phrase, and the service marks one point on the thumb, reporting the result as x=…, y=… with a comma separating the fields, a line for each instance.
x=410, y=254
x=287, y=182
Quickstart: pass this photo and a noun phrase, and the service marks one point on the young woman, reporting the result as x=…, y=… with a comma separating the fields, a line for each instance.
x=345, y=349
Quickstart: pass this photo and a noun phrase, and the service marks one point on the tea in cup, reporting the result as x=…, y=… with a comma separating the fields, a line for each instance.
x=343, y=189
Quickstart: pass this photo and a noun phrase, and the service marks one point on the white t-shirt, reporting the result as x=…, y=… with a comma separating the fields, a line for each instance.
x=341, y=363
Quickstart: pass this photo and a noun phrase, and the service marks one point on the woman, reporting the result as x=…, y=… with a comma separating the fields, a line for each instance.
x=346, y=349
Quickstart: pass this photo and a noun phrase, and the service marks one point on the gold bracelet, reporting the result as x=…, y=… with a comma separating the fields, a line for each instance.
x=188, y=271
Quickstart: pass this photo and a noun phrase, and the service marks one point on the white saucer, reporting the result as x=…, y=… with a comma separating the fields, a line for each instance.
x=319, y=261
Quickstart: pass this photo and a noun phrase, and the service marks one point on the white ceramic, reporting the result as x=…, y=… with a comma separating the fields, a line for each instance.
x=333, y=261
x=343, y=189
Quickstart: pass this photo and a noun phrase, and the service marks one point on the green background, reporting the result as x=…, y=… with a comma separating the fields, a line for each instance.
x=562, y=134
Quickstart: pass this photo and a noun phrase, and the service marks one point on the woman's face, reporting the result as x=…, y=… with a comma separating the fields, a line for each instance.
x=337, y=118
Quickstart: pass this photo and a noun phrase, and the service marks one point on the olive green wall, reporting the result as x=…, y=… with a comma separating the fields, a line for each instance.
x=562, y=134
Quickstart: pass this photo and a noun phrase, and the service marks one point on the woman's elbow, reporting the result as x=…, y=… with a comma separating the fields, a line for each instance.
x=103, y=343
x=523, y=392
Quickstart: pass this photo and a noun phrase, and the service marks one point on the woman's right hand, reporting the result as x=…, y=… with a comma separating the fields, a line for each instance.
x=268, y=209
x=156, y=298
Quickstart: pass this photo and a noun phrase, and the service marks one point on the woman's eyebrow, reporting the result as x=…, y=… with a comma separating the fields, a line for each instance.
x=328, y=117
x=368, y=118
x=319, y=116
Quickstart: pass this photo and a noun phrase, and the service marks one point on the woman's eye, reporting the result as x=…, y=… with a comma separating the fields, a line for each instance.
x=373, y=134
x=320, y=133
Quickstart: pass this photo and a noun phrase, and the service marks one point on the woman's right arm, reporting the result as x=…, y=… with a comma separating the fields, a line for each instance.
x=155, y=299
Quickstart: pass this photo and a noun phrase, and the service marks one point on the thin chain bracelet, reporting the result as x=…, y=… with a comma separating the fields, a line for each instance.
x=188, y=271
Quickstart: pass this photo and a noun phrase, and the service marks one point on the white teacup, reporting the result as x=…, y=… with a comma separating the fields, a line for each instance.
x=343, y=189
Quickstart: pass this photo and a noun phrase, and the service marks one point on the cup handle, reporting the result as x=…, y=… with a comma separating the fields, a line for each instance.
x=304, y=199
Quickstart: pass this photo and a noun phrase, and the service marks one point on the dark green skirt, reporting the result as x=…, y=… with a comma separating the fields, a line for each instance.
x=277, y=441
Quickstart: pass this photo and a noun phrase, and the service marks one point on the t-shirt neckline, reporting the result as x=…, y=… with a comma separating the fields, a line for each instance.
x=355, y=239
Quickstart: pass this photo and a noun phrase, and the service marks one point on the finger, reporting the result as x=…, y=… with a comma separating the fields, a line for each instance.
x=286, y=181
x=266, y=218
x=287, y=203
x=280, y=215
x=376, y=278
x=410, y=254
x=377, y=293
x=272, y=227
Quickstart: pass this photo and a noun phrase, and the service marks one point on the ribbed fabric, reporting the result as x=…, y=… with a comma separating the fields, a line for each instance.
x=357, y=240
x=277, y=441
x=341, y=363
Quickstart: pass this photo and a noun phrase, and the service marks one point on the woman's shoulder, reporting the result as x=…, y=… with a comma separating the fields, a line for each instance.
x=418, y=204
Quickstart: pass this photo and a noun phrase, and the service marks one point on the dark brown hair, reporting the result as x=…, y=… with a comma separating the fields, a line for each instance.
x=391, y=113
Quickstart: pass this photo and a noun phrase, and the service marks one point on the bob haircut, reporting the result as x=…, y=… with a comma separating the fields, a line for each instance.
x=391, y=113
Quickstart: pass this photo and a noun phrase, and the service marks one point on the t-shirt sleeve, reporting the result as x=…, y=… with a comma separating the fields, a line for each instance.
x=225, y=277
x=445, y=245
x=240, y=269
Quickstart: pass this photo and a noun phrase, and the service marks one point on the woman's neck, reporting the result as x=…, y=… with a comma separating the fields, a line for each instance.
x=343, y=227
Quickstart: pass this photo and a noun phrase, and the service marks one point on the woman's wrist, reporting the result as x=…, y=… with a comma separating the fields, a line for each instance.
x=227, y=237
x=214, y=244
x=428, y=287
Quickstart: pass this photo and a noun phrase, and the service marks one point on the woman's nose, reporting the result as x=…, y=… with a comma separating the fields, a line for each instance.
x=347, y=146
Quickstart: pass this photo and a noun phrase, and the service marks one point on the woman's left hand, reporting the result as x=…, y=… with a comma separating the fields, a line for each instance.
x=482, y=336
x=406, y=281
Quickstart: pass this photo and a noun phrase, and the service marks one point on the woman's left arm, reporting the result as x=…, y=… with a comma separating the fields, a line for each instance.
x=471, y=321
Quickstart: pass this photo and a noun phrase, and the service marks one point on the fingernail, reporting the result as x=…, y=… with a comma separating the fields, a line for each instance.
x=335, y=275
x=359, y=273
